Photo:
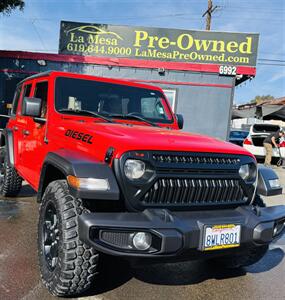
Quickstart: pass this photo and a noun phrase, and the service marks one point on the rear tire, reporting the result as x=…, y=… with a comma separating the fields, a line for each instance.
x=67, y=265
x=10, y=181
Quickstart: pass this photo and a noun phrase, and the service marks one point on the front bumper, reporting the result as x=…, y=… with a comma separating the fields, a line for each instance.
x=181, y=233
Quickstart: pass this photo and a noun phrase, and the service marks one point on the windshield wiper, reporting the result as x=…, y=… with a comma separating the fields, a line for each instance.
x=84, y=112
x=132, y=116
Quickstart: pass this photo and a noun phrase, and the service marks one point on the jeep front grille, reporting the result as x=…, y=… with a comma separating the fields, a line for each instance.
x=189, y=159
x=186, y=180
x=174, y=191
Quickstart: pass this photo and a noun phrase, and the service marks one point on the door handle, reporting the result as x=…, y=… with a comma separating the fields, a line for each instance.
x=26, y=132
x=15, y=128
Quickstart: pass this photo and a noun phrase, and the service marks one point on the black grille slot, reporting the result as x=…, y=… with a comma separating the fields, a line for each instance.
x=191, y=159
x=194, y=192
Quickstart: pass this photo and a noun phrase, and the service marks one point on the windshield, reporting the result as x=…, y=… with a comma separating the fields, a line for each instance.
x=110, y=99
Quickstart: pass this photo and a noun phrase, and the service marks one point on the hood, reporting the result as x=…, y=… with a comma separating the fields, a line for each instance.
x=125, y=137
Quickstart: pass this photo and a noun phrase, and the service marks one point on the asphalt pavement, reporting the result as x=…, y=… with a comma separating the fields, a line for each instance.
x=19, y=274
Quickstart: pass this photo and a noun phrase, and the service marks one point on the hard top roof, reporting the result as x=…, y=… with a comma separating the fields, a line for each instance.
x=89, y=77
x=42, y=74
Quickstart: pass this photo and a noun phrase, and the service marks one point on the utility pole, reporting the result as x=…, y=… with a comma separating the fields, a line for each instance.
x=209, y=12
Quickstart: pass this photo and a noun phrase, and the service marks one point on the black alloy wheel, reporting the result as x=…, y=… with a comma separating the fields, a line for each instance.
x=50, y=236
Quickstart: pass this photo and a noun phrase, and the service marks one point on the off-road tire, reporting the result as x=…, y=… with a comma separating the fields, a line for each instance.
x=11, y=182
x=76, y=263
x=244, y=259
x=258, y=201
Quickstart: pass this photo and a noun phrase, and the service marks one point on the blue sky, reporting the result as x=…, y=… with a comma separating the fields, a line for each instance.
x=37, y=28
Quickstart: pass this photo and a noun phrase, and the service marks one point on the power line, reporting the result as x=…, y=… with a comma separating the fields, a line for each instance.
x=269, y=64
x=264, y=9
x=38, y=34
x=112, y=18
x=268, y=59
x=98, y=1
x=182, y=16
x=252, y=18
x=271, y=53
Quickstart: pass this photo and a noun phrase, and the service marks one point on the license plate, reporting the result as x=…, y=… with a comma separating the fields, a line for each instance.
x=221, y=237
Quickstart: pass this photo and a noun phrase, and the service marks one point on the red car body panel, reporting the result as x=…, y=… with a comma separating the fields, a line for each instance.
x=31, y=150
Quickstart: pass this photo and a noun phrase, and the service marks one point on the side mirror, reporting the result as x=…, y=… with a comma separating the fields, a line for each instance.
x=180, y=120
x=31, y=107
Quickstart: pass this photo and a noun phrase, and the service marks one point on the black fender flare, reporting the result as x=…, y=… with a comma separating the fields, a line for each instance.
x=264, y=188
x=7, y=140
x=82, y=166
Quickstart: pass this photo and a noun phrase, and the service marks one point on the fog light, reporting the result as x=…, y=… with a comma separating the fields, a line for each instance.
x=275, y=231
x=278, y=227
x=274, y=183
x=142, y=241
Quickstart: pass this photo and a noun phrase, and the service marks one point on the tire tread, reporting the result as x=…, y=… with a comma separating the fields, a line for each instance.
x=72, y=279
x=12, y=182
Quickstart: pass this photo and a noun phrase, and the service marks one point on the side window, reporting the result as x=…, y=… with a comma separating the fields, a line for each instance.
x=171, y=96
x=27, y=90
x=16, y=100
x=41, y=91
x=26, y=93
x=152, y=108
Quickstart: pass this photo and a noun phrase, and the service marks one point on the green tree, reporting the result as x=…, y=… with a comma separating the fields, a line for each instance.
x=258, y=99
x=6, y=6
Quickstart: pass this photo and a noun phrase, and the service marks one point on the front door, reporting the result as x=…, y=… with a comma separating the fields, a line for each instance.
x=34, y=147
x=18, y=123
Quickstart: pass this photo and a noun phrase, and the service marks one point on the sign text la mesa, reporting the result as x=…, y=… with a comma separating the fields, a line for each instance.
x=92, y=39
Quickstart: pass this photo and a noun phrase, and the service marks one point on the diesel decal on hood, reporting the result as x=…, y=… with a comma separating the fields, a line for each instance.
x=84, y=137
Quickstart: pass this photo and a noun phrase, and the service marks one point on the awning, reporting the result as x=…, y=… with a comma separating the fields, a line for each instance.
x=243, y=113
x=265, y=112
x=273, y=112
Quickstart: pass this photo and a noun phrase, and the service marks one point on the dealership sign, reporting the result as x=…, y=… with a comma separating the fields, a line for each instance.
x=158, y=44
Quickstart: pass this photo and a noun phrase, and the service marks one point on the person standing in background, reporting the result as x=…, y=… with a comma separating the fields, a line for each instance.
x=269, y=142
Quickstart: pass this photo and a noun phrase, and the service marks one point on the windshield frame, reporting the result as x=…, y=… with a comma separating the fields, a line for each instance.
x=165, y=103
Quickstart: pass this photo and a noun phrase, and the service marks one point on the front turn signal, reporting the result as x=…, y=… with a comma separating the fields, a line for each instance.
x=93, y=184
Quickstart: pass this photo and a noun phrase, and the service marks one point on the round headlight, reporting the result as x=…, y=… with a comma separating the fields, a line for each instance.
x=134, y=169
x=244, y=172
x=247, y=172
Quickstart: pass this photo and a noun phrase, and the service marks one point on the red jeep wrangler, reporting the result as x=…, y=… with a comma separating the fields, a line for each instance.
x=115, y=175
